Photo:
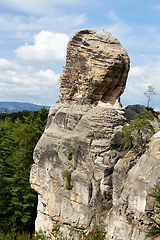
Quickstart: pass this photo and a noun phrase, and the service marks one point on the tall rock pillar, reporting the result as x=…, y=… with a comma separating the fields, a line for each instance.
x=86, y=120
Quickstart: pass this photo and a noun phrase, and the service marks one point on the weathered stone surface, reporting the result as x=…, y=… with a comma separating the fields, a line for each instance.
x=93, y=134
x=101, y=173
x=96, y=69
x=128, y=218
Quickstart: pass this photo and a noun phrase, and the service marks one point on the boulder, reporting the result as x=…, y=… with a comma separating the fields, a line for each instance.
x=96, y=69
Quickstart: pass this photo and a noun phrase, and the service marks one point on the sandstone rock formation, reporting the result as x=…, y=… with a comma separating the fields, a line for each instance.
x=102, y=173
x=96, y=69
x=87, y=121
x=93, y=134
x=128, y=218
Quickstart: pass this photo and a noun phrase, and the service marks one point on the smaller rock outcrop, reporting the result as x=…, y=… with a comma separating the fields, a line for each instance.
x=96, y=69
x=128, y=218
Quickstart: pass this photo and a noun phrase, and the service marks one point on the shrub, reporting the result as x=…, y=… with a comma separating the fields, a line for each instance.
x=135, y=127
x=56, y=232
x=69, y=156
x=95, y=234
x=67, y=175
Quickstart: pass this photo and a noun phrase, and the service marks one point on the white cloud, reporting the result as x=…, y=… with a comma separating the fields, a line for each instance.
x=41, y=7
x=21, y=24
x=18, y=83
x=48, y=47
x=50, y=75
x=6, y=65
x=140, y=77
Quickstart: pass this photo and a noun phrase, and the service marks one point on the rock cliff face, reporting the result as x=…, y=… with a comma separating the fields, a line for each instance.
x=93, y=134
x=87, y=120
x=128, y=218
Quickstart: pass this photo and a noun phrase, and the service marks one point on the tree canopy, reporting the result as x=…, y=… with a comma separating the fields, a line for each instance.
x=18, y=137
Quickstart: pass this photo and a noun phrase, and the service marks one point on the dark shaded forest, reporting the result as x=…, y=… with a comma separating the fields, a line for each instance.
x=19, y=133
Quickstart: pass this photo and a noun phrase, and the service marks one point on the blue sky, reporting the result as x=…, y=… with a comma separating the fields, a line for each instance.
x=34, y=34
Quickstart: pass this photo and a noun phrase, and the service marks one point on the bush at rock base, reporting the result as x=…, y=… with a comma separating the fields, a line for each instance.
x=95, y=234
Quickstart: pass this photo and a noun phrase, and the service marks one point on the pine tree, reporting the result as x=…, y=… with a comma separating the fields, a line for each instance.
x=17, y=200
x=150, y=92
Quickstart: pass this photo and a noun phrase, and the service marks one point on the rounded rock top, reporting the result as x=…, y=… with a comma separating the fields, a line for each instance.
x=96, y=69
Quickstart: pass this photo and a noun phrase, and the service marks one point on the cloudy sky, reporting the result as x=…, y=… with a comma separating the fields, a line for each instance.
x=34, y=34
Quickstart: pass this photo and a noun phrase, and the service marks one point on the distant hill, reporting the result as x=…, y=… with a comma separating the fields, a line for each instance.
x=19, y=106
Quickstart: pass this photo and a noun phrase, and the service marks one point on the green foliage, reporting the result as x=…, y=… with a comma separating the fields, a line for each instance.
x=135, y=127
x=149, y=93
x=41, y=235
x=67, y=175
x=69, y=156
x=154, y=226
x=14, y=235
x=56, y=233
x=7, y=236
x=95, y=234
x=18, y=137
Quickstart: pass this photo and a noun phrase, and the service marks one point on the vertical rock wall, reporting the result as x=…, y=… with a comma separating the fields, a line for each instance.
x=129, y=217
x=93, y=134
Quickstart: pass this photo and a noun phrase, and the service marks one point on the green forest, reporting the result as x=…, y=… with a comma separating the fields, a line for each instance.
x=19, y=133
